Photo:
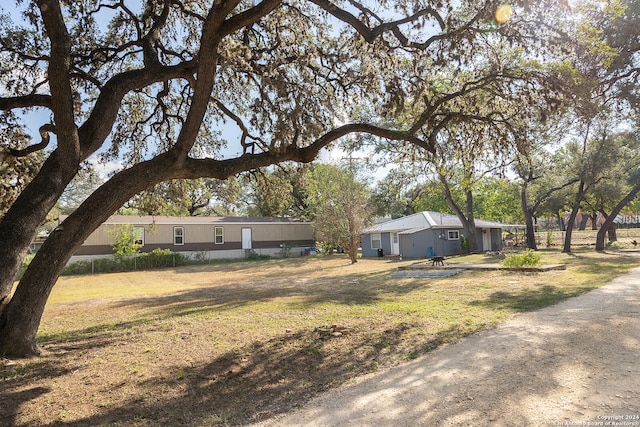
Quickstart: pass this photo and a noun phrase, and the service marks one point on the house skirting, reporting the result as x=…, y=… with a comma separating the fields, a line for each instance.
x=195, y=247
x=291, y=252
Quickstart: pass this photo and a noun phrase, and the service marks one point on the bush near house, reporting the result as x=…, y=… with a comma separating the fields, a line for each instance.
x=526, y=258
x=158, y=258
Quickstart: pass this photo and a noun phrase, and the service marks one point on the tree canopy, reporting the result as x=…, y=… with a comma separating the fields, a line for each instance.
x=210, y=89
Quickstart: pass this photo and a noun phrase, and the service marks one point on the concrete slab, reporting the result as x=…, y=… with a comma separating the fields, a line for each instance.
x=487, y=267
x=426, y=273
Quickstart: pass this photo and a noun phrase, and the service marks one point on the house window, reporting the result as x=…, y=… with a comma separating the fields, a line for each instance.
x=138, y=236
x=218, y=235
x=178, y=235
x=453, y=235
x=376, y=241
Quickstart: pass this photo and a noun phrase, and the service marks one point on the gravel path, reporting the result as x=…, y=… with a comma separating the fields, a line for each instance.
x=572, y=364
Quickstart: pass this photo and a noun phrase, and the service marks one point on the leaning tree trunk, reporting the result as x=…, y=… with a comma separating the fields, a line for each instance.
x=528, y=219
x=468, y=222
x=612, y=229
x=21, y=222
x=20, y=319
x=561, y=225
x=572, y=218
x=608, y=222
x=594, y=221
x=612, y=233
x=583, y=222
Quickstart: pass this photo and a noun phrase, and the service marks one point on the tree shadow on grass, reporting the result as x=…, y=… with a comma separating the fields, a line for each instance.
x=346, y=289
x=10, y=402
x=498, y=375
x=18, y=384
x=529, y=299
x=250, y=384
x=361, y=289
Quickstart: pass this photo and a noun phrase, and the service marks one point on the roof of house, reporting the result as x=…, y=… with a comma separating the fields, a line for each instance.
x=425, y=220
x=213, y=220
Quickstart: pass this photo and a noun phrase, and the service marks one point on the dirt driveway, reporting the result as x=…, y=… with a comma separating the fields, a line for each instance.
x=572, y=364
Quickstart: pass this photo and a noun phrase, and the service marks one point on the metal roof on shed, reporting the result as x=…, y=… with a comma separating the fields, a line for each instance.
x=424, y=220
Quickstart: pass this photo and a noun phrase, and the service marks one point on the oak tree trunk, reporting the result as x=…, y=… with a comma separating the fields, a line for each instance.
x=468, y=222
x=572, y=218
x=583, y=222
x=528, y=219
x=20, y=319
x=21, y=222
x=608, y=222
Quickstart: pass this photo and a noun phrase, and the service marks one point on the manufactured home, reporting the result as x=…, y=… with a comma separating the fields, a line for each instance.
x=216, y=237
x=427, y=234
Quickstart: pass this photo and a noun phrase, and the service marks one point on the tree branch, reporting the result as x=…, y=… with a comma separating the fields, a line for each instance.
x=370, y=34
x=27, y=101
x=201, y=168
x=59, y=81
x=44, y=133
x=249, y=16
x=543, y=197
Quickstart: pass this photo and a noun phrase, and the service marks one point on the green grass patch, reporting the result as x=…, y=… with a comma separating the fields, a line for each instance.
x=527, y=258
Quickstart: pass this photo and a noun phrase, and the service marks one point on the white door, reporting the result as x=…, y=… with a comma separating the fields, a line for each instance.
x=486, y=239
x=246, y=238
x=395, y=244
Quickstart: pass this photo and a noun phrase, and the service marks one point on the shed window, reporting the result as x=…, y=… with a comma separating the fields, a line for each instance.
x=138, y=236
x=376, y=241
x=219, y=235
x=453, y=235
x=178, y=235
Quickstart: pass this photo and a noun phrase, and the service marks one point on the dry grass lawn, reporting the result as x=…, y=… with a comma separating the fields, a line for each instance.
x=231, y=344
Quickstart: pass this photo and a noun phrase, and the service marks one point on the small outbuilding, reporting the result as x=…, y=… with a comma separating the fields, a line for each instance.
x=216, y=237
x=427, y=234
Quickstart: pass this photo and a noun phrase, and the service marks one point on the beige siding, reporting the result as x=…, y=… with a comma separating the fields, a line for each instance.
x=162, y=234
x=277, y=232
x=101, y=236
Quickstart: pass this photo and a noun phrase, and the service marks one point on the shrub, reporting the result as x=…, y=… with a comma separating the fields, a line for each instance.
x=125, y=241
x=464, y=244
x=156, y=259
x=526, y=258
x=253, y=256
x=549, y=238
x=160, y=258
x=98, y=265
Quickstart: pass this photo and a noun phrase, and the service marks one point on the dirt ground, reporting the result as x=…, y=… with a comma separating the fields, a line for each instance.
x=572, y=364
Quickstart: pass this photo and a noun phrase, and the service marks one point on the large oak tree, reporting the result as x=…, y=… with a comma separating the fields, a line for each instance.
x=157, y=85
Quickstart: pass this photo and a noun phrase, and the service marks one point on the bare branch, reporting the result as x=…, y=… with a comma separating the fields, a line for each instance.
x=370, y=34
x=44, y=133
